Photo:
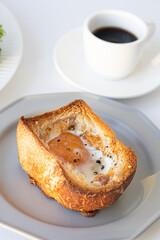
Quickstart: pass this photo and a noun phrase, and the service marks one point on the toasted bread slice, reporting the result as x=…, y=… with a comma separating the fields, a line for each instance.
x=72, y=186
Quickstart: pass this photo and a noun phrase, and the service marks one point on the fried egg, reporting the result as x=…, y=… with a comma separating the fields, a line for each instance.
x=70, y=147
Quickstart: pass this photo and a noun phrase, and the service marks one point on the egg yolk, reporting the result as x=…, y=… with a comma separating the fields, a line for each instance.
x=69, y=148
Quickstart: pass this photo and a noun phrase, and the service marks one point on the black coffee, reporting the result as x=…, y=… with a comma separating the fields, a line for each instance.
x=115, y=35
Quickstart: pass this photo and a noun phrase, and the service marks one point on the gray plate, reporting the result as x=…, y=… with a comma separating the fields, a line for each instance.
x=22, y=206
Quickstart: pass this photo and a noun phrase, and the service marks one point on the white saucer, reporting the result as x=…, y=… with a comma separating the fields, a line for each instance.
x=11, y=46
x=70, y=62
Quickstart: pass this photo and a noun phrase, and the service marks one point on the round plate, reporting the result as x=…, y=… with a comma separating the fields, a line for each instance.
x=70, y=62
x=11, y=46
x=24, y=207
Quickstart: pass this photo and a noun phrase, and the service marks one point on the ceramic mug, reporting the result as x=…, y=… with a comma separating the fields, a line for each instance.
x=115, y=60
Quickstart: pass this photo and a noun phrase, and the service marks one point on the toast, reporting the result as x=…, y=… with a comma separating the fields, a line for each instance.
x=91, y=180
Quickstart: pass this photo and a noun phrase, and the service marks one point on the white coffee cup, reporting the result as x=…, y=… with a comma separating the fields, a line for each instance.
x=115, y=60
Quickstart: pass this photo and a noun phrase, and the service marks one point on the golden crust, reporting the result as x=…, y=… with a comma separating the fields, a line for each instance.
x=52, y=176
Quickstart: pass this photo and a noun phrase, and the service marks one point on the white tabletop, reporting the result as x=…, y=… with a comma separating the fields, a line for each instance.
x=42, y=24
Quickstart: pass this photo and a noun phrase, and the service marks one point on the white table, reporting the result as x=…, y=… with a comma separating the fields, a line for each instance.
x=42, y=24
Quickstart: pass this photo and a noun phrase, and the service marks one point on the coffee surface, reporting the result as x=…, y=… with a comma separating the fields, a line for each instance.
x=115, y=35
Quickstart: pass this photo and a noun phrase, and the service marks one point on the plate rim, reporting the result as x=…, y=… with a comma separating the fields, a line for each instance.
x=134, y=111
x=2, y=5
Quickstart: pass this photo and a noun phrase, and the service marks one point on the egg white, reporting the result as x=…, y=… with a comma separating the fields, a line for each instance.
x=98, y=162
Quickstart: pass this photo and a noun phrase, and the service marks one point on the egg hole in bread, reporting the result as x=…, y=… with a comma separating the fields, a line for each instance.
x=75, y=148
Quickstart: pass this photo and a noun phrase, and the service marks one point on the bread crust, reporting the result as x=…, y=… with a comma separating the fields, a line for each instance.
x=49, y=173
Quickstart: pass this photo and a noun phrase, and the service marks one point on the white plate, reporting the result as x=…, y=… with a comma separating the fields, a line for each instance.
x=11, y=46
x=25, y=208
x=70, y=62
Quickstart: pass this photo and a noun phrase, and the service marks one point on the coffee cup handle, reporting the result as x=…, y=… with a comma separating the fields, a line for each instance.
x=151, y=29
